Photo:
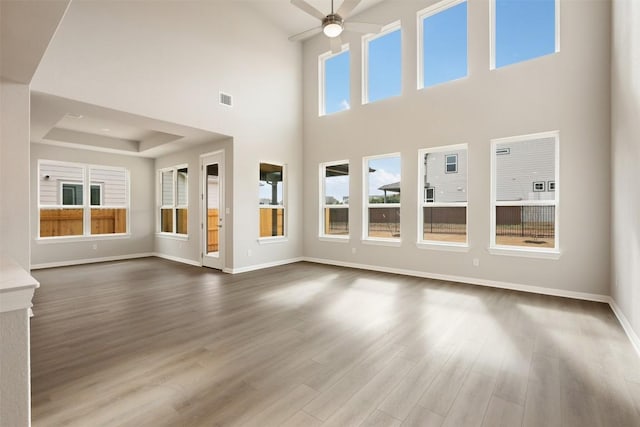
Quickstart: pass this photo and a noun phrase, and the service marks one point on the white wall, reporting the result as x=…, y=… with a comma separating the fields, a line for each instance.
x=568, y=91
x=190, y=249
x=14, y=172
x=141, y=239
x=625, y=131
x=14, y=369
x=168, y=61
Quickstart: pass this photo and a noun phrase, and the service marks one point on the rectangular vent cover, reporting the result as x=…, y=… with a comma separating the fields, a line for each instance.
x=226, y=99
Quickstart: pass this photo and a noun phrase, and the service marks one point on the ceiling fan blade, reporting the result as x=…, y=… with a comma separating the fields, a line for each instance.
x=306, y=7
x=361, y=27
x=305, y=34
x=336, y=44
x=347, y=7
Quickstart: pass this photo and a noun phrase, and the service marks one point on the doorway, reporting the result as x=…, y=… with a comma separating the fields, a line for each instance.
x=212, y=171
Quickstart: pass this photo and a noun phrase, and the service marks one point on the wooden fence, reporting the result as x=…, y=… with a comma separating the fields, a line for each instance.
x=69, y=222
x=212, y=230
x=269, y=216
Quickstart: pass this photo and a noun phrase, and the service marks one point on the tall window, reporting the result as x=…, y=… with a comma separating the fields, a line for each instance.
x=174, y=201
x=334, y=205
x=442, y=41
x=82, y=200
x=272, y=203
x=382, y=59
x=523, y=30
x=382, y=197
x=334, y=73
x=524, y=209
x=443, y=194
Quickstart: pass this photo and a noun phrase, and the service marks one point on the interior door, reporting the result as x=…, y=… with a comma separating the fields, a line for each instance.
x=212, y=171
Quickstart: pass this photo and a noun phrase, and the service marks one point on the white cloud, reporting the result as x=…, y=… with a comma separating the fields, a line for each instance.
x=379, y=178
x=344, y=104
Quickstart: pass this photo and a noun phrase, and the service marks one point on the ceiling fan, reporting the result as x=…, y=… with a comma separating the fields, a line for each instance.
x=334, y=23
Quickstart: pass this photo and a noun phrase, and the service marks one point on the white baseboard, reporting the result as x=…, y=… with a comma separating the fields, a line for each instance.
x=177, y=259
x=468, y=280
x=626, y=325
x=261, y=266
x=89, y=260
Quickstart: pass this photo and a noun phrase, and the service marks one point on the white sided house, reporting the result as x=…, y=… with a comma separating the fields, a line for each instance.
x=445, y=178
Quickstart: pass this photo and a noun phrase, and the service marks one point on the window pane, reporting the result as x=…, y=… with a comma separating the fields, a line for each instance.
x=271, y=189
x=532, y=226
x=52, y=179
x=384, y=66
x=445, y=45
x=526, y=162
x=167, y=188
x=112, y=183
x=336, y=221
x=72, y=194
x=61, y=222
x=384, y=180
x=108, y=221
x=166, y=220
x=445, y=224
x=336, y=193
x=271, y=222
x=181, y=221
x=384, y=222
x=96, y=198
x=441, y=185
x=336, y=83
x=181, y=189
x=524, y=29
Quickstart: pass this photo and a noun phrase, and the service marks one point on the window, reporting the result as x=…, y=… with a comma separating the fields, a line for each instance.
x=334, y=82
x=174, y=200
x=551, y=186
x=442, y=43
x=523, y=30
x=272, y=204
x=63, y=210
x=382, y=197
x=382, y=59
x=451, y=163
x=524, y=215
x=443, y=209
x=334, y=191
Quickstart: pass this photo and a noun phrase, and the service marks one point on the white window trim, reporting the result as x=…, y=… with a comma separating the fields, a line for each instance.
x=421, y=16
x=101, y=185
x=434, y=244
x=174, y=206
x=492, y=34
x=322, y=59
x=86, y=195
x=446, y=163
x=283, y=206
x=323, y=203
x=366, y=40
x=61, y=193
x=495, y=249
x=385, y=241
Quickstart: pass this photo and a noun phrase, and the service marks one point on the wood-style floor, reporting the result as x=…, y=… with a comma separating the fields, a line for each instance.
x=153, y=343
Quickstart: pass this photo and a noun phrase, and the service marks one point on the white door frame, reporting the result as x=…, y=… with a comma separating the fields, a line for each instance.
x=217, y=262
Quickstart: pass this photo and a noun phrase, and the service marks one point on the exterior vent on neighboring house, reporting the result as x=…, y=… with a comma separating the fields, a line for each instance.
x=503, y=151
x=226, y=99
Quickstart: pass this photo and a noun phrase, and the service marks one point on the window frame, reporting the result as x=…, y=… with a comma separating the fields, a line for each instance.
x=385, y=241
x=524, y=251
x=446, y=163
x=175, y=206
x=421, y=242
x=101, y=194
x=492, y=36
x=323, y=203
x=86, y=205
x=322, y=59
x=366, y=40
x=61, y=193
x=423, y=14
x=283, y=206
x=536, y=190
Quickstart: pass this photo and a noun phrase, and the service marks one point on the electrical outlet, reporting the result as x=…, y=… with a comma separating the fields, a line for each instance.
x=353, y=250
x=248, y=252
x=95, y=246
x=476, y=262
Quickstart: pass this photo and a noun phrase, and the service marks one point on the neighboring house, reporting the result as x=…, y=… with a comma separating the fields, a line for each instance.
x=445, y=179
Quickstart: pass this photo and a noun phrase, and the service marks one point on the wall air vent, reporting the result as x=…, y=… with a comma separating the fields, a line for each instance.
x=226, y=99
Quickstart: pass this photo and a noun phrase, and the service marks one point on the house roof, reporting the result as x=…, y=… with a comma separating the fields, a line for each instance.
x=395, y=187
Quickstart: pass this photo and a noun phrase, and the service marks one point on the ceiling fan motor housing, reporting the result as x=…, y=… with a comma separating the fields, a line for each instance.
x=332, y=21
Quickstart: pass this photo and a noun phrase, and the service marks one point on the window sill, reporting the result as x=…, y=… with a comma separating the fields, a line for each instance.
x=450, y=247
x=382, y=242
x=173, y=236
x=73, y=239
x=270, y=240
x=526, y=253
x=338, y=239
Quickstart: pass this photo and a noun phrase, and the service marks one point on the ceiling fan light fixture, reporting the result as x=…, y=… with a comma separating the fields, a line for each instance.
x=332, y=25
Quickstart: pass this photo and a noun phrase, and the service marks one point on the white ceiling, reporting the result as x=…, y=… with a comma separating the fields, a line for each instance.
x=292, y=20
x=64, y=122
